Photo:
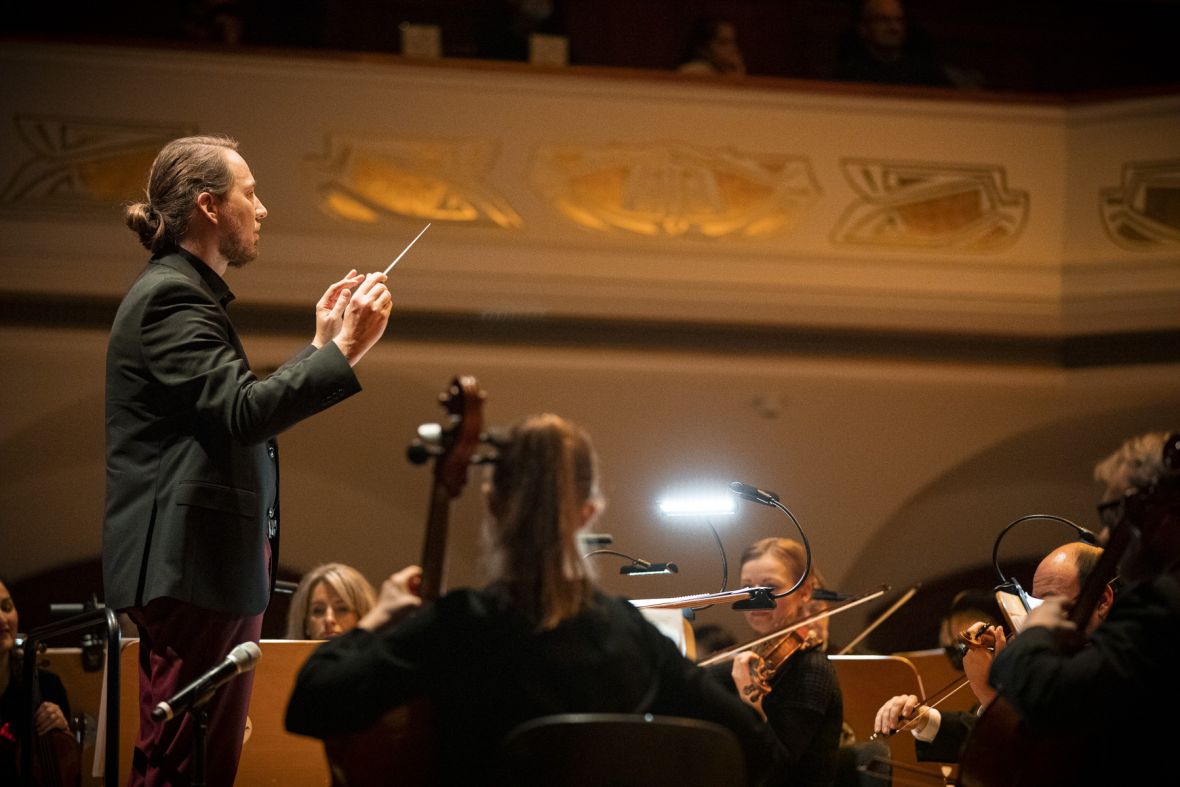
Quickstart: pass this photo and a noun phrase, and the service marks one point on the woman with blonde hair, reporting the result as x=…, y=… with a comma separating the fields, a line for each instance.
x=329, y=601
x=802, y=701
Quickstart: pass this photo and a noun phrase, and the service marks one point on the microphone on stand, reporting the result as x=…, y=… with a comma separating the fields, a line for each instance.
x=241, y=659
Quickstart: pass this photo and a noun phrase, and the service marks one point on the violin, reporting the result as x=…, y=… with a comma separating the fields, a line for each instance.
x=774, y=655
x=399, y=747
x=977, y=636
x=774, y=650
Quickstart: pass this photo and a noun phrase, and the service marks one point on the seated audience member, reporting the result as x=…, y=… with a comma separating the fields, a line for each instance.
x=329, y=601
x=505, y=27
x=713, y=50
x=539, y=639
x=51, y=716
x=882, y=49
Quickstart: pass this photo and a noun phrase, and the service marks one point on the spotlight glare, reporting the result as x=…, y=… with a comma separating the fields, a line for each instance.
x=711, y=504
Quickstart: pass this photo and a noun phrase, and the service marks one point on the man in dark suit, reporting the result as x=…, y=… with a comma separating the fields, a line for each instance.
x=1099, y=698
x=191, y=533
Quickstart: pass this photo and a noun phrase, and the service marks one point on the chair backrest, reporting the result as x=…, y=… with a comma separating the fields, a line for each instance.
x=622, y=750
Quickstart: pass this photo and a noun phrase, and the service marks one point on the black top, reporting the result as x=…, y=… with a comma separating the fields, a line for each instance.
x=486, y=669
x=14, y=719
x=805, y=708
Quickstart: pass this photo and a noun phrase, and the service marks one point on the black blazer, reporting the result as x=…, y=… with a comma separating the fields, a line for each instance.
x=192, y=467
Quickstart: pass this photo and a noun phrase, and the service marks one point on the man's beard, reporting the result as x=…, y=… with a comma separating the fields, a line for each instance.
x=235, y=252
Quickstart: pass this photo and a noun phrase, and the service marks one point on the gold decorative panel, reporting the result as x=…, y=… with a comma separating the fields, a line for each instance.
x=676, y=190
x=373, y=180
x=930, y=206
x=71, y=164
x=1144, y=211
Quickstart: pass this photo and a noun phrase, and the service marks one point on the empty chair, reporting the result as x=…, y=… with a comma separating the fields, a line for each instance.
x=622, y=750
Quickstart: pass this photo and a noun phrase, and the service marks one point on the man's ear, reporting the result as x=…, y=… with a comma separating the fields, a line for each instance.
x=1105, y=602
x=207, y=206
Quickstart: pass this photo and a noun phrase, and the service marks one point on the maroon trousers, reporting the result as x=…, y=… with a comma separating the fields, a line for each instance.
x=178, y=643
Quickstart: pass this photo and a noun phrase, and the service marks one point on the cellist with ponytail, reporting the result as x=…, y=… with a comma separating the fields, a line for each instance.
x=539, y=638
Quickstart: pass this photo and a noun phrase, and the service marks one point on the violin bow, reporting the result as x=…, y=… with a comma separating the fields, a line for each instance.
x=909, y=594
x=843, y=606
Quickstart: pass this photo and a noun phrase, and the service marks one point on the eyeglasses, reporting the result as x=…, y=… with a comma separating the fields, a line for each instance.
x=1110, y=513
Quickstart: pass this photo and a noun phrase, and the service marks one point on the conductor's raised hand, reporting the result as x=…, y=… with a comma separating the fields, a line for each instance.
x=365, y=317
x=329, y=311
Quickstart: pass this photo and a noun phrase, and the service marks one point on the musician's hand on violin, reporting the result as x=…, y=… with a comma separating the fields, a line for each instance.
x=1052, y=614
x=50, y=717
x=896, y=712
x=749, y=675
x=977, y=661
x=398, y=598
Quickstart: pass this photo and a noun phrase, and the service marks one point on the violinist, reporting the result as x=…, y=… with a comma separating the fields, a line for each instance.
x=1103, y=695
x=539, y=639
x=801, y=700
x=52, y=713
x=940, y=736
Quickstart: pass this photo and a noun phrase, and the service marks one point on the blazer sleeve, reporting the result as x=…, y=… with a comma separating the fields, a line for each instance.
x=189, y=347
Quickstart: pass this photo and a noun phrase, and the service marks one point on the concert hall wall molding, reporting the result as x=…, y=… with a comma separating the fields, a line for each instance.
x=576, y=195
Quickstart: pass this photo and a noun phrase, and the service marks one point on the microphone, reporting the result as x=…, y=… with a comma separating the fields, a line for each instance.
x=641, y=567
x=241, y=659
x=753, y=493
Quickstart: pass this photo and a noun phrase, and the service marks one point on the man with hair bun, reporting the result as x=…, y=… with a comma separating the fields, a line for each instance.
x=191, y=531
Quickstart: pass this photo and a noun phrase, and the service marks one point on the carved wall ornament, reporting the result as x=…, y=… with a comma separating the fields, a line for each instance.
x=1143, y=212
x=82, y=165
x=675, y=189
x=920, y=205
x=374, y=180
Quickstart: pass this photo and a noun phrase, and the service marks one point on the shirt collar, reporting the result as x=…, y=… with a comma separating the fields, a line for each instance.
x=215, y=283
